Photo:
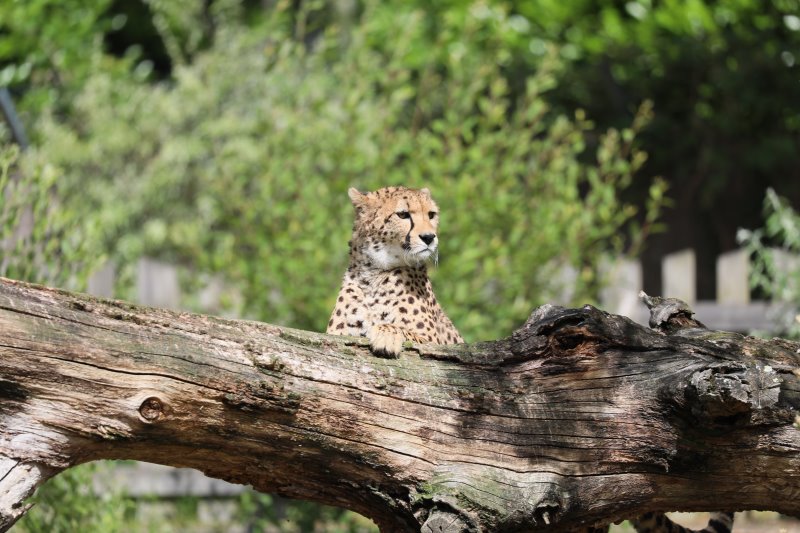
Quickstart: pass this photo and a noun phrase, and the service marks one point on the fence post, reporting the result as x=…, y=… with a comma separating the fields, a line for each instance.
x=678, y=276
x=157, y=284
x=101, y=282
x=733, y=269
x=620, y=293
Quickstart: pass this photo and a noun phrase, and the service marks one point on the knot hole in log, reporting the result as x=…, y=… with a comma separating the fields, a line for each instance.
x=151, y=410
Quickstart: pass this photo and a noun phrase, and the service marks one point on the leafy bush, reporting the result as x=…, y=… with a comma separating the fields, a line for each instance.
x=67, y=503
x=46, y=47
x=264, y=512
x=43, y=238
x=720, y=74
x=775, y=249
x=240, y=166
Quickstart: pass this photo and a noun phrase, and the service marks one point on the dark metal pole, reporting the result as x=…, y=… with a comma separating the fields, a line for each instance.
x=12, y=119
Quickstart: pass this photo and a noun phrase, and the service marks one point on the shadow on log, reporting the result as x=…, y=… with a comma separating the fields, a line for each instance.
x=578, y=418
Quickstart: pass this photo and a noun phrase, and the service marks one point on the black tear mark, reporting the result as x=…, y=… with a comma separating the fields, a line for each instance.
x=407, y=242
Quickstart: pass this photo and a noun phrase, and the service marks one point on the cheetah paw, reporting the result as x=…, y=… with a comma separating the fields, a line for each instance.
x=385, y=341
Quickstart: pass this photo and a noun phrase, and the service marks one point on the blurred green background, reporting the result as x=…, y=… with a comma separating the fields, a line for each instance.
x=221, y=136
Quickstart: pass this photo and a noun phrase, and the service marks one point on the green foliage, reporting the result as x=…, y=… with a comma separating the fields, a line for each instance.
x=68, y=503
x=47, y=46
x=775, y=249
x=722, y=76
x=43, y=238
x=263, y=512
x=240, y=166
x=184, y=25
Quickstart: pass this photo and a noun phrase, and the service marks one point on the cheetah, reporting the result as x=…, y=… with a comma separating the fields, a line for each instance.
x=386, y=295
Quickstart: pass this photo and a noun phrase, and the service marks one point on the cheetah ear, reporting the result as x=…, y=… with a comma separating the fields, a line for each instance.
x=426, y=191
x=359, y=199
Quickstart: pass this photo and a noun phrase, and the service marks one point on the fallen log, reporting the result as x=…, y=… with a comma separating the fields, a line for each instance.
x=578, y=418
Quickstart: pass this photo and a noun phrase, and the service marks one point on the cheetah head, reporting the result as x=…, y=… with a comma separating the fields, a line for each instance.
x=395, y=226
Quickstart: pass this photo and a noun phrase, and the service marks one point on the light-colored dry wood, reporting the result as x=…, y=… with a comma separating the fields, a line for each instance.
x=579, y=417
x=18, y=480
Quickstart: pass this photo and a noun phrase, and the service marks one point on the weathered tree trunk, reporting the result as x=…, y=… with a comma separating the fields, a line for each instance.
x=580, y=417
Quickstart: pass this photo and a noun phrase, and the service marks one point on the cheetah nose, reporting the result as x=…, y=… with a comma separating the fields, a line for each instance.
x=427, y=238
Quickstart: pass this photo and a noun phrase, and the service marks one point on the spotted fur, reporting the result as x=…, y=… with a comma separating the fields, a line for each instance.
x=386, y=295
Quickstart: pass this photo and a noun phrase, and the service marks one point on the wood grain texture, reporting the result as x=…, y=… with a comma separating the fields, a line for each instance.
x=578, y=418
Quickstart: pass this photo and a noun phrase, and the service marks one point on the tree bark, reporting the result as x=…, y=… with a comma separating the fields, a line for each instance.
x=578, y=418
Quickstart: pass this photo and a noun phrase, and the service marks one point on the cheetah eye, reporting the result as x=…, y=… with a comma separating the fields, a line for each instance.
x=403, y=214
x=431, y=214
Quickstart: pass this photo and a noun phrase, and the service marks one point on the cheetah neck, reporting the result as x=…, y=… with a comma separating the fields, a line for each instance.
x=369, y=276
x=370, y=279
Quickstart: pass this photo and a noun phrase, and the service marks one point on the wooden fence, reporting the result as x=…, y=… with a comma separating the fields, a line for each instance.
x=733, y=309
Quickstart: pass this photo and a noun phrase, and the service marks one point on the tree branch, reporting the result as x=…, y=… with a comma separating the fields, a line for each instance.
x=578, y=418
